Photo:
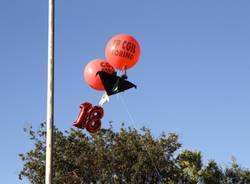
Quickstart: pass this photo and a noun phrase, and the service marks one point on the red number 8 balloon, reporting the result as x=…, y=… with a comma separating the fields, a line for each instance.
x=94, y=119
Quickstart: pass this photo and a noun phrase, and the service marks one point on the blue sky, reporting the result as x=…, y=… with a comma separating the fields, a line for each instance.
x=193, y=74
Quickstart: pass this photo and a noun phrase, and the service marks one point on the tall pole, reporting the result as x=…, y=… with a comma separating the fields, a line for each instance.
x=50, y=95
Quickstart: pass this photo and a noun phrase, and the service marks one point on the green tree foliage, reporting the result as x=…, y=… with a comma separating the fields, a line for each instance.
x=212, y=173
x=236, y=175
x=191, y=165
x=127, y=156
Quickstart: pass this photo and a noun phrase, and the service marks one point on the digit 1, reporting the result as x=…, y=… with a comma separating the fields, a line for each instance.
x=80, y=121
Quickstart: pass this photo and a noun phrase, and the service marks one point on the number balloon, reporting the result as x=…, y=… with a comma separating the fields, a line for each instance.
x=90, y=73
x=89, y=117
x=122, y=51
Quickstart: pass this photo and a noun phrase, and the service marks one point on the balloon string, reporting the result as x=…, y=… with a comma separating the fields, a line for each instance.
x=119, y=97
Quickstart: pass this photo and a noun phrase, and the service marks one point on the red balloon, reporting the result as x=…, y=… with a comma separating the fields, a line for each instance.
x=122, y=51
x=92, y=68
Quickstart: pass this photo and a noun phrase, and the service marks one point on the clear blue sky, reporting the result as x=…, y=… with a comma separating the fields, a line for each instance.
x=193, y=75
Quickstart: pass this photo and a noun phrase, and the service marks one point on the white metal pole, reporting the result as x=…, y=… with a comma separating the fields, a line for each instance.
x=50, y=95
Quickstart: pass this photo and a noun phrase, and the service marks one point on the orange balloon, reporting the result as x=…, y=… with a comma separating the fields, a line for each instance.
x=122, y=51
x=92, y=68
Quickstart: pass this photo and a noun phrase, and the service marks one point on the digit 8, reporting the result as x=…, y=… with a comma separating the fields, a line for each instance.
x=94, y=122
